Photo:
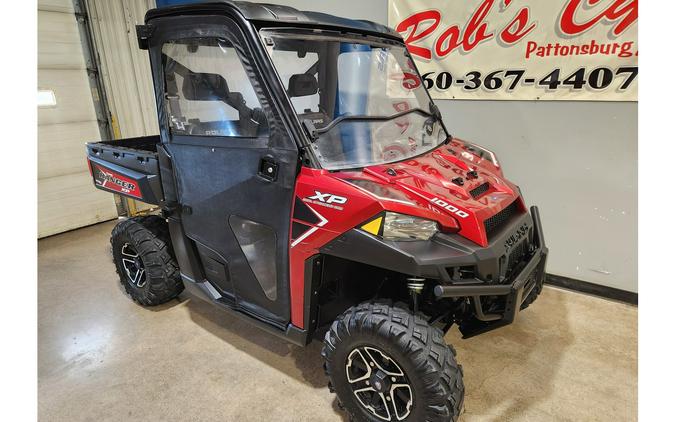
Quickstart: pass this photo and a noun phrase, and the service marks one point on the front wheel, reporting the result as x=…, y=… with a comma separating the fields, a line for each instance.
x=386, y=364
x=534, y=294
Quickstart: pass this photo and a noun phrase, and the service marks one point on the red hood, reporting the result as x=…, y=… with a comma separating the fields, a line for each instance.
x=441, y=182
x=328, y=204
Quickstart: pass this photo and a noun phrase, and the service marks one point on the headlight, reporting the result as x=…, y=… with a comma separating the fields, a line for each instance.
x=406, y=227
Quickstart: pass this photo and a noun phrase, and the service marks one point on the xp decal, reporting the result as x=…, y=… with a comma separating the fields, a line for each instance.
x=327, y=200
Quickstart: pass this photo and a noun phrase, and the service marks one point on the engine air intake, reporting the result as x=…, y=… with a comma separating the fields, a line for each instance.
x=494, y=223
x=478, y=191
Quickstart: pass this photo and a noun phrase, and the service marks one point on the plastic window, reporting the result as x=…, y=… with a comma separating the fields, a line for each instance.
x=208, y=91
x=259, y=244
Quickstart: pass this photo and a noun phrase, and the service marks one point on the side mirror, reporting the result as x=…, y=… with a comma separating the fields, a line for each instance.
x=302, y=84
x=204, y=87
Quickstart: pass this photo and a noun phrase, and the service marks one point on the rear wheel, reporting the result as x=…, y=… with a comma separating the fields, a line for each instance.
x=386, y=364
x=143, y=256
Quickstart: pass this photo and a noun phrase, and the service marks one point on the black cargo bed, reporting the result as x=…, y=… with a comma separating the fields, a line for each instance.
x=127, y=167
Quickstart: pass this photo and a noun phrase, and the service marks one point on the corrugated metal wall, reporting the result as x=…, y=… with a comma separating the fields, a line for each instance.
x=66, y=196
x=125, y=69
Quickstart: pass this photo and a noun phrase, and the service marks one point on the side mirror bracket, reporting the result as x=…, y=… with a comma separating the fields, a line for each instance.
x=310, y=129
x=143, y=34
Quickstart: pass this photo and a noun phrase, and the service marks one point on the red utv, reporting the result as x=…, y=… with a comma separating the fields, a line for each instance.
x=308, y=184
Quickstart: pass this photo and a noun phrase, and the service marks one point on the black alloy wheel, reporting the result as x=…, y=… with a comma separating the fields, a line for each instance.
x=143, y=256
x=133, y=266
x=379, y=383
x=387, y=364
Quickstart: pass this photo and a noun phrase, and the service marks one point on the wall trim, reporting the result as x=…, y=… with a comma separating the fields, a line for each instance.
x=592, y=289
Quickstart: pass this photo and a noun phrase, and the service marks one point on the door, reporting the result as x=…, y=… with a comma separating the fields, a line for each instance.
x=235, y=164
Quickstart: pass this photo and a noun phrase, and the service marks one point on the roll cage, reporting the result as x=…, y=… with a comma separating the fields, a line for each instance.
x=252, y=18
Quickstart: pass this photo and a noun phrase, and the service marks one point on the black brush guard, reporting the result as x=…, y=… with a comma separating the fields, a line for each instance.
x=515, y=292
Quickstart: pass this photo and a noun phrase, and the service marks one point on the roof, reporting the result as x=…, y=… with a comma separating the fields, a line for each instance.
x=265, y=14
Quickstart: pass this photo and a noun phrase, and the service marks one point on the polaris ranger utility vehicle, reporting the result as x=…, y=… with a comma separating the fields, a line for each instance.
x=308, y=184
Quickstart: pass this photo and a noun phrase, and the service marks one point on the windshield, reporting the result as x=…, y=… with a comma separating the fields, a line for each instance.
x=363, y=100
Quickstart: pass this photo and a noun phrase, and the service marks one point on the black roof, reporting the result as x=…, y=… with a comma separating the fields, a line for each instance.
x=265, y=14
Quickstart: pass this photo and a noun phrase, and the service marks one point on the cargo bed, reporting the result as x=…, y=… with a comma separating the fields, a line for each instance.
x=128, y=167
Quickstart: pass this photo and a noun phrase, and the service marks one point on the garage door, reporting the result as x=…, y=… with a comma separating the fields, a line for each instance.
x=66, y=120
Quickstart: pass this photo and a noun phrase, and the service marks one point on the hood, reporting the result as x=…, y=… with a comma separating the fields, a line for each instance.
x=457, y=180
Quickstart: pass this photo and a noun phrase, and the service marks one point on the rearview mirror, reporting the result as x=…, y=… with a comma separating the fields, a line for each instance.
x=204, y=87
x=302, y=84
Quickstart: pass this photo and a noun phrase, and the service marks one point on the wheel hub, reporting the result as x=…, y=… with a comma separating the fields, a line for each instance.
x=379, y=384
x=133, y=266
x=380, y=381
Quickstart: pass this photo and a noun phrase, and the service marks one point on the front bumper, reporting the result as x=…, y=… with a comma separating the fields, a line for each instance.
x=448, y=258
x=530, y=274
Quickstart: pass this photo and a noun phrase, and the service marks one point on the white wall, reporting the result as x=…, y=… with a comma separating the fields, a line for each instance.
x=576, y=160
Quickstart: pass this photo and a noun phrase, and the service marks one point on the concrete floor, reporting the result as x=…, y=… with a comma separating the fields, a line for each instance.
x=102, y=358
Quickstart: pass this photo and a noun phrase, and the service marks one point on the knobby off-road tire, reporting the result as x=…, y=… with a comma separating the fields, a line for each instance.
x=151, y=277
x=383, y=333
x=534, y=294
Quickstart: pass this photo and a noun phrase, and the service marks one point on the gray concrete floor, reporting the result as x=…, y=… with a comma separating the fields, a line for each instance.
x=103, y=358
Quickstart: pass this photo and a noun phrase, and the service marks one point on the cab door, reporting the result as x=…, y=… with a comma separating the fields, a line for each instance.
x=234, y=162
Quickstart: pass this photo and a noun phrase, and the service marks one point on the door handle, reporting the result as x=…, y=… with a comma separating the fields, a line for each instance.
x=268, y=169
